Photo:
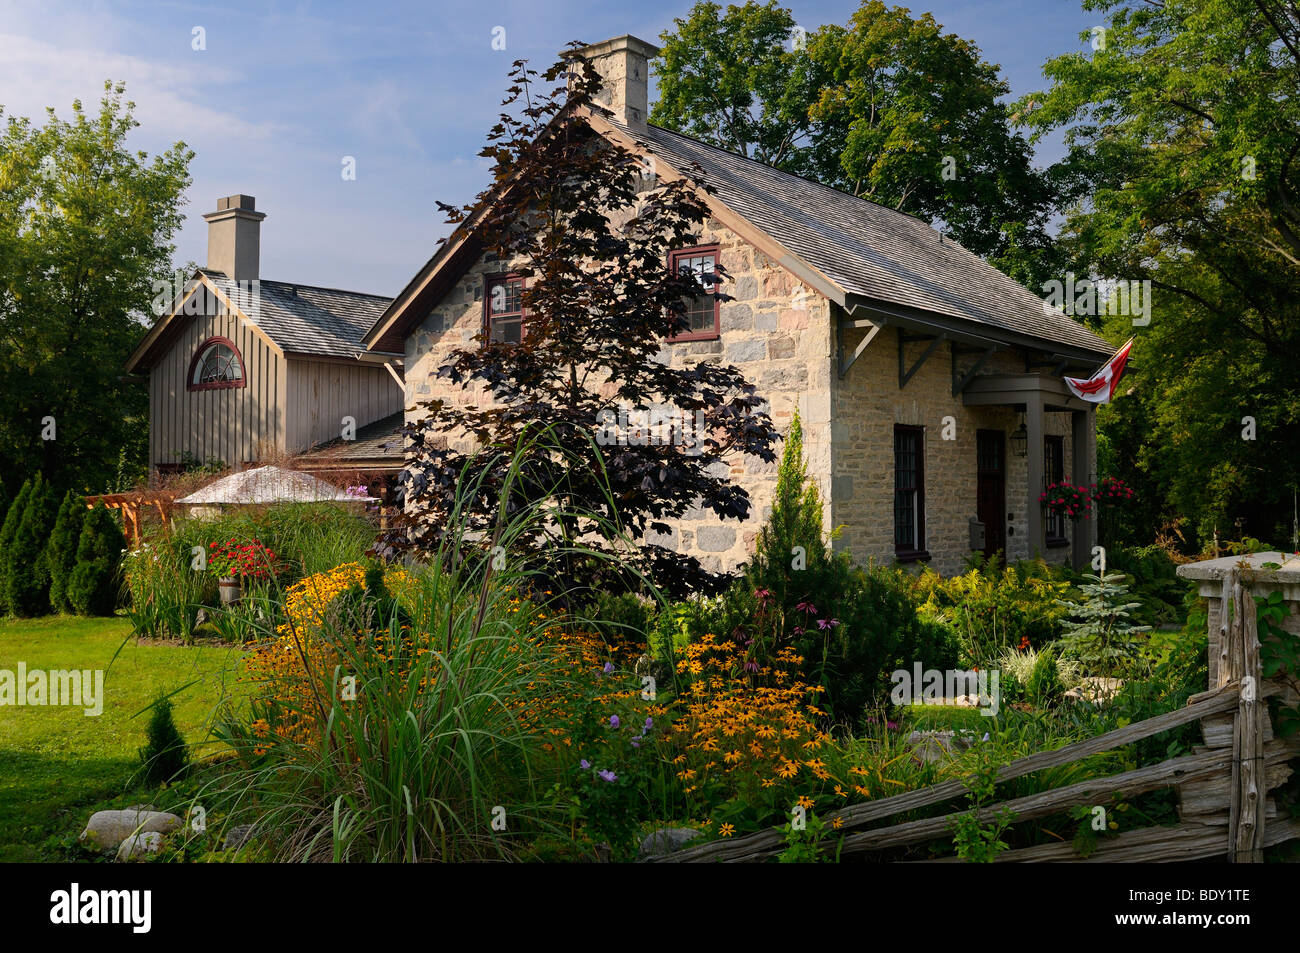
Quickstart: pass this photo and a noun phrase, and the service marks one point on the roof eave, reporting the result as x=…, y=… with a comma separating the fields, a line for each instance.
x=970, y=332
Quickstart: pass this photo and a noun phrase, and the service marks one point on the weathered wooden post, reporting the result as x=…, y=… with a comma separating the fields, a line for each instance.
x=1229, y=584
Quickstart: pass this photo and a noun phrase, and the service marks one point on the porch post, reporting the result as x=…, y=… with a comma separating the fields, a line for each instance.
x=1083, y=535
x=1034, y=426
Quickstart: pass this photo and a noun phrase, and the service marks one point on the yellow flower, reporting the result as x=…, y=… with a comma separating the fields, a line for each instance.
x=726, y=830
x=806, y=802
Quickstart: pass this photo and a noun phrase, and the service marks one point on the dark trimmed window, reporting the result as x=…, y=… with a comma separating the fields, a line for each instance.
x=1054, y=472
x=217, y=365
x=703, y=321
x=909, y=492
x=503, y=309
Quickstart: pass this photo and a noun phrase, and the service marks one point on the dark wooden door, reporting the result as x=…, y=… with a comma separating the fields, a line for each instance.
x=991, y=489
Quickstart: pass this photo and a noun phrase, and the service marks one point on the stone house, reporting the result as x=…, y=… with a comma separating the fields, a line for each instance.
x=244, y=370
x=929, y=384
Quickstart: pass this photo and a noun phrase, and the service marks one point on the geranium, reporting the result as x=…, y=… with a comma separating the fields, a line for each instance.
x=238, y=560
x=1066, y=499
x=1112, y=490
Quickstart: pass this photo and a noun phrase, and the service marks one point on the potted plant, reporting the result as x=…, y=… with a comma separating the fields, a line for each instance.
x=235, y=563
x=1066, y=499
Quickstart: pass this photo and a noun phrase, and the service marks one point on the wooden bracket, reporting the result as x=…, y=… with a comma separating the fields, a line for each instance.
x=844, y=324
x=960, y=385
x=905, y=374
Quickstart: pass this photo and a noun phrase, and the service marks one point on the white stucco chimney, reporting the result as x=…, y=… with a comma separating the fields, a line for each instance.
x=234, y=237
x=624, y=66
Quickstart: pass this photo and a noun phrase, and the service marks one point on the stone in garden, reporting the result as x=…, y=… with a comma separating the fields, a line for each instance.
x=666, y=841
x=1095, y=690
x=138, y=844
x=932, y=746
x=237, y=836
x=107, y=829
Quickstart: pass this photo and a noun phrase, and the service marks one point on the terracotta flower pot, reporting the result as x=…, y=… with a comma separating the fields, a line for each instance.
x=229, y=589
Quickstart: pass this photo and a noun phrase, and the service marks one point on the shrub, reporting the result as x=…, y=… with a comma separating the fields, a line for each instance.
x=7, y=532
x=61, y=550
x=27, y=578
x=165, y=755
x=95, y=580
x=990, y=610
x=1100, y=635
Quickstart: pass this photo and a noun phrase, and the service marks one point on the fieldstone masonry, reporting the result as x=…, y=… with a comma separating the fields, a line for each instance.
x=780, y=334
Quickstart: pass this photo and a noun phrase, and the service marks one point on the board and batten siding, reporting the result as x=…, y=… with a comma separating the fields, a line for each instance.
x=234, y=425
x=322, y=393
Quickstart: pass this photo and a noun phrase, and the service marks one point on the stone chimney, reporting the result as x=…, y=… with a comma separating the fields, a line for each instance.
x=624, y=66
x=234, y=237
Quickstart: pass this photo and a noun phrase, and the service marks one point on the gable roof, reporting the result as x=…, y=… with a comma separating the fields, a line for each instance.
x=861, y=255
x=866, y=250
x=299, y=320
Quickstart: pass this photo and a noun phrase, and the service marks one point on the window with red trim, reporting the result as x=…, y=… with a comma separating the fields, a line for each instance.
x=503, y=309
x=703, y=319
x=217, y=365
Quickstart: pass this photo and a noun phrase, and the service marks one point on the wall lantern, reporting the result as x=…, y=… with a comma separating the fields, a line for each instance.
x=1020, y=440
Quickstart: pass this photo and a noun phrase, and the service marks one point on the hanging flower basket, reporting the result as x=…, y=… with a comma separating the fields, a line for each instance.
x=1112, y=491
x=1066, y=499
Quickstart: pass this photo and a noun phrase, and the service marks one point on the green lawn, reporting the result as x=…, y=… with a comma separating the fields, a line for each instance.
x=56, y=763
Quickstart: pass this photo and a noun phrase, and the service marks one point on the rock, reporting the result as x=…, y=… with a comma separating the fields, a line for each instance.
x=932, y=746
x=107, y=829
x=138, y=844
x=666, y=841
x=1095, y=690
x=237, y=836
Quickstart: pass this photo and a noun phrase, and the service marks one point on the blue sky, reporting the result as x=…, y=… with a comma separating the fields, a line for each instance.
x=284, y=91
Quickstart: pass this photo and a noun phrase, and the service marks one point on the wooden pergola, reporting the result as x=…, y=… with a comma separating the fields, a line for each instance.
x=132, y=506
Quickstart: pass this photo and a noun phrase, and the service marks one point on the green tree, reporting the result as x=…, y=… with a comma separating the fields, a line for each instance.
x=27, y=577
x=93, y=585
x=792, y=540
x=1099, y=633
x=888, y=107
x=165, y=754
x=8, y=531
x=1183, y=130
x=579, y=221
x=61, y=551
x=730, y=79
x=86, y=227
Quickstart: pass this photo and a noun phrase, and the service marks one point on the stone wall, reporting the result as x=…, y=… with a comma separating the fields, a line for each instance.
x=779, y=333
x=867, y=404
x=775, y=330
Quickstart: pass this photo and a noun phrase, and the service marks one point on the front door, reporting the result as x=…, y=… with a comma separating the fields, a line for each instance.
x=990, y=490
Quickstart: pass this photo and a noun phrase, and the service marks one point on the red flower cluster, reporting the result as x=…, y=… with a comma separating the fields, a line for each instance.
x=1076, y=501
x=1112, y=490
x=244, y=560
x=1067, y=499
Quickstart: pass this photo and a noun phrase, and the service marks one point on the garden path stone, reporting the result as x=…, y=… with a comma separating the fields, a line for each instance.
x=666, y=841
x=107, y=829
x=137, y=844
x=237, y=836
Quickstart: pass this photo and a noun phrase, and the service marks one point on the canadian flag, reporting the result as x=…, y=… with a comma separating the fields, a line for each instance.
x=1100, y=387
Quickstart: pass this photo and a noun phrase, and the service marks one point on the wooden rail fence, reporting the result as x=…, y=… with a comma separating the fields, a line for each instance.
x=1223, y=785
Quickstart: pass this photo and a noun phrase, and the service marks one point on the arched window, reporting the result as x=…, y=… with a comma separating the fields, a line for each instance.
x=216, y=365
